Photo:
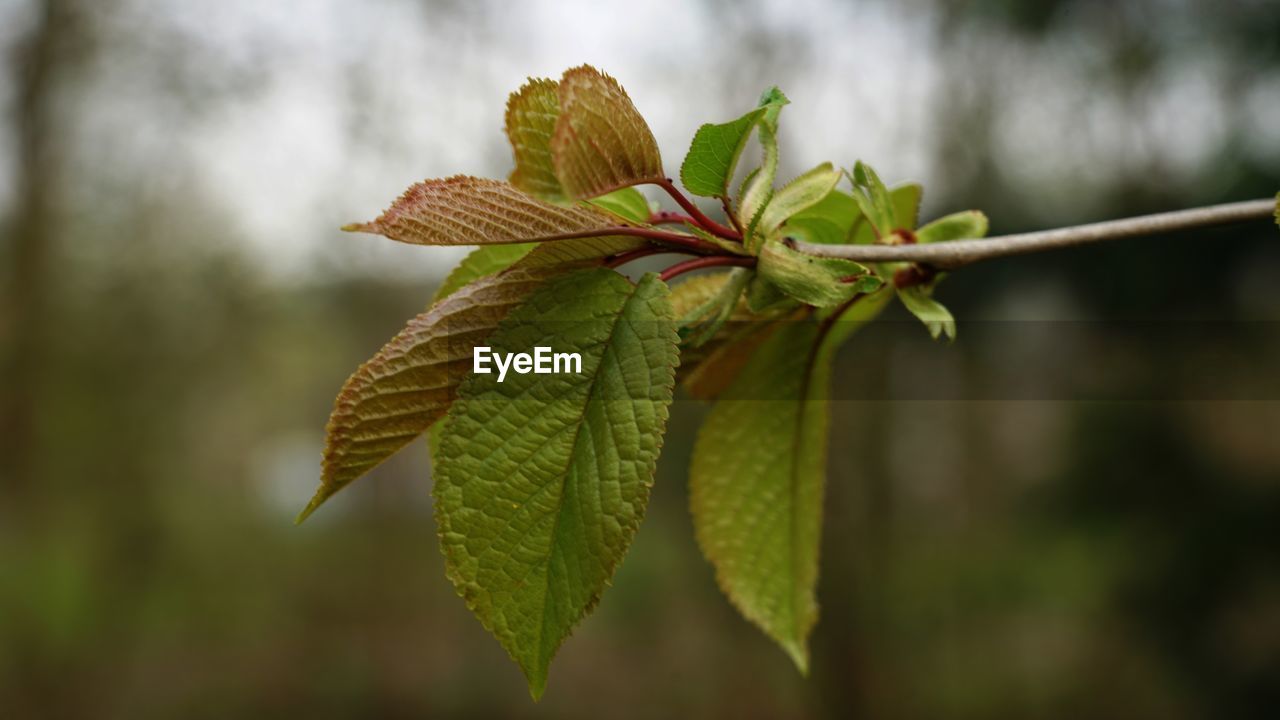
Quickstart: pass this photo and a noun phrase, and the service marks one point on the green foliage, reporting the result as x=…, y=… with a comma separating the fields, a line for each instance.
x=798, y=195
x=820, y=282
x=957, y=226
x=484, y=261
x=627, y=203
x=919, y=300
x=600, y=143
x=713, y=155
x=756, y=480
x=531, y=121
x=465, y=210
x=541, y=480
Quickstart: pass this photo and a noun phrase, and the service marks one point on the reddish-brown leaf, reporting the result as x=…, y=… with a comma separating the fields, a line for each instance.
x=464, y=210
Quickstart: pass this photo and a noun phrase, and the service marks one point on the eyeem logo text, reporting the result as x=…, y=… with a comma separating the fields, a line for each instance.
x=542, y=362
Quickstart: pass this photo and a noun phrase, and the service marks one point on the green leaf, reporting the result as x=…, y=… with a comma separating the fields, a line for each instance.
x=709, y=165
x=702, y=324
x=763, y=296
x=956, y=226
x=758, y=187
x=756, y=485
x=708, y=365
x=542, y=480
x=919, y=300
x=829, y=221
x=484, y=261
x=758, y=471
x=817, y=281
x=845, y=321
x=713, y=155
x=601, y=143
x=800, y=194
x=887, y=210
x=709, y=370
x=772, y=100
x=411, y=381
x=905, y=200
x=530, y=121
x=628, y=203
x=464, y=210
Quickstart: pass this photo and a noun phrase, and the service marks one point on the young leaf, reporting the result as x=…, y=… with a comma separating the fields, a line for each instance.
x=601, y=143
x=956, y=226
x=628, y=203
x=707, y=367
x=829, y=221
x=464, y=210
x=709, y=370
x=905, y=200
x=799, y=194
x=919, y=300
x=758, y=187
x=410, y=382
x=763, y=296
x=818, y=281
x=484, y=261
x=758, y=471
x=873, y=199
x=531, y=119
x=713, y=155
x=756, y=487
x=542, y=480
x=700, y=324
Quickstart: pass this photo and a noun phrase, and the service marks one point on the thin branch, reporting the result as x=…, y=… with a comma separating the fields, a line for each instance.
x=666, y=217
x=707, y=223
x=688, y=242
x=631, y=255
x=681, y=268
x=956, y=253
x=733, y=218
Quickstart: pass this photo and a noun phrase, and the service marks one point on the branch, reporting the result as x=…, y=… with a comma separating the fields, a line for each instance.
x=623, y=258
x=687, y=242
x=666, y=217
x=681, y=268
x=953, y=254
x=707, y=223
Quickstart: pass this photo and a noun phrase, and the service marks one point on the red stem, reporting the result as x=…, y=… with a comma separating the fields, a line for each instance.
x=630, y=255
x=707, y=223
x=686, y=242
x=698, y=263
x=728, y=212
x=666, y=217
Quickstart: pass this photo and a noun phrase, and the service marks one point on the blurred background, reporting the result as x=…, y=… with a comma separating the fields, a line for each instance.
x=178, y=309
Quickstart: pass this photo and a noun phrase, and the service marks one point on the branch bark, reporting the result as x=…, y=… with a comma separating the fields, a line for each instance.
x=957, y=253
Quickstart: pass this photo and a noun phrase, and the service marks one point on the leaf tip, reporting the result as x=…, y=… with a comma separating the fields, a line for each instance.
x=537, y=686
x=773, y=96
x=798, y=651
x=357, y=227
x=316, y=501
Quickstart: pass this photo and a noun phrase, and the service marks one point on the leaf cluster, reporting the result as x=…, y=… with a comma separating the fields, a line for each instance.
x=541, y=481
